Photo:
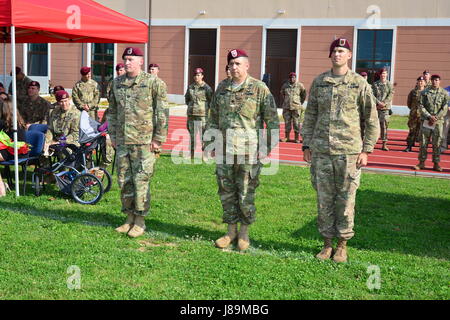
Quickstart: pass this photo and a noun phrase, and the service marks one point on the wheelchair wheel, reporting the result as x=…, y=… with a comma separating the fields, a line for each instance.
x=104, y=176
x=86, y=189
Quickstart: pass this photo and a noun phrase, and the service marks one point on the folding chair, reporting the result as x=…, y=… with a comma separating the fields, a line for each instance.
x=36, y=139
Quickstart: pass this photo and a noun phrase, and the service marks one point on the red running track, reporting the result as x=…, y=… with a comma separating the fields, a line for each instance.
x=394, y=160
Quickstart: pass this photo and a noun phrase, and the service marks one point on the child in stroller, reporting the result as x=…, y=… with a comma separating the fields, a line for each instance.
x=74, y=169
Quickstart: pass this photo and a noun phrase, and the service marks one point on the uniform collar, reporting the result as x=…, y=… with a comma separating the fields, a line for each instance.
x=243, y=86
x=329, y=77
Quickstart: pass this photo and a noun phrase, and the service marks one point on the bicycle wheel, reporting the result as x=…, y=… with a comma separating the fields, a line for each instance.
x=104, y=176
x=86, y=189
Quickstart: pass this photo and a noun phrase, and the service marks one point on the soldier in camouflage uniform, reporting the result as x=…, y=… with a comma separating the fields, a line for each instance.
x=22, y=82
x=332, y=142
x=133, y=100
x=414, y=121
x=293, y=95
x=86, y=94
x=427, y=76
x=63, y=121
x=383, y=91
x=239, y=109
x=198, y=97
x=34, y=108
x=433, y=108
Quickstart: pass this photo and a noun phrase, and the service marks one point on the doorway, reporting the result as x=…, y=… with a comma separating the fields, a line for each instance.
x=202, y=54
x=281, y=56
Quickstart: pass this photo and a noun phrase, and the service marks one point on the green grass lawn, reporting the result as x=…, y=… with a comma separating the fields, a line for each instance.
x=398, y=122
x=402, y=226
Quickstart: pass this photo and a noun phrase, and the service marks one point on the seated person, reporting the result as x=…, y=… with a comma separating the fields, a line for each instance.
x=63, y=122
x=34, y=108
x=55, y=90
x=6, y=125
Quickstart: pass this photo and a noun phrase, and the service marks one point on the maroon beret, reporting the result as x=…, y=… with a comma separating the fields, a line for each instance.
x=435, y=76
x=236, y=53
x=341, y=43
x=382, y=70
x=426, y=71
x=153, y=65
x=364, y=74
x=119, y=66
x=132, y=51
x=85, y=70
x=292, y=74
x=420, y=78
x=35, y=84
x=61, y=94
x=1, y=85
x=198, y=70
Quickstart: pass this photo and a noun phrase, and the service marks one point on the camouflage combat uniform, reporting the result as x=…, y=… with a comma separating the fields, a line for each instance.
x=383, y=92
x=134, y=103
x=293, y=95
x=87, y=92
x=433, y=102
x=63, y=123
x=414, y=121
x=21, y=89
x=197, y=98
x=35, y=111
x=239, y=114
x=332, y=131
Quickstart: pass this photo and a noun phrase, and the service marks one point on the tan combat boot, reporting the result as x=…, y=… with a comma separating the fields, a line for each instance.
x=227, y=239
x=243, y=239
x=138, y=228
x=420, y=166
x=127, y=225
x=384, y=146
x=341, y=251
x=437, y=167
x=327, y=250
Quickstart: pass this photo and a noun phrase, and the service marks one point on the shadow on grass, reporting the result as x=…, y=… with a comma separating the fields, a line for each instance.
x=397, y=223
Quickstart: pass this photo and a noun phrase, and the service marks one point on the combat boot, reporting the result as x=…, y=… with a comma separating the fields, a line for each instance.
x=341, y=251
x=138, y=228
x=243, y=239
x=384, y=146
x=296, y=139
x=408, y=148
x=420, y=166
x=437, y=167
x=327, y=250
x=127, y=225
x=227, y=239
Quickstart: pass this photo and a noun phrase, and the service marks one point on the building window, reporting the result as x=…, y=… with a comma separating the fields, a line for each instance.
x=37, y=59
x=102, y=64
x=374, y=52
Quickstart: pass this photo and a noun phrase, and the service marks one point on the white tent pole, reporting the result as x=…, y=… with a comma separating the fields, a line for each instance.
x=14, y=101
x=4, y=65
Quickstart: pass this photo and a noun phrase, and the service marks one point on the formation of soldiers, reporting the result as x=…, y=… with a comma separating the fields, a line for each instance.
x=340, y=126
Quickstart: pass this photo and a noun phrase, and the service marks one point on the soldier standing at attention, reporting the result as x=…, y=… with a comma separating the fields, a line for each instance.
x=332, y=143
x=293, y=95
x=383, y=91
x=198, y=97
x=22, y=82
x=414, y=121
x=239, y=109
x=433, y=108
x=34, y=108
x=228, y=72
x=86, y=93
x=133, y=100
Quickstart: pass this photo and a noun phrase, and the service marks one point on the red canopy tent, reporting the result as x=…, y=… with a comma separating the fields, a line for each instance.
x=39, y=21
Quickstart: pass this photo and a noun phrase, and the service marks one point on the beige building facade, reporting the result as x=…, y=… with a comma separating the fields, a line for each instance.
x=280, y=36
